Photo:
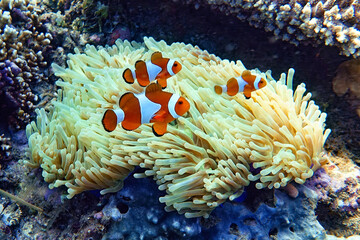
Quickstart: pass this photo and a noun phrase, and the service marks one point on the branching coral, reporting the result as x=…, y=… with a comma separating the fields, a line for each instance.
x=23, y=44
x=5, y=147
x=329, y=21
x=206, y=156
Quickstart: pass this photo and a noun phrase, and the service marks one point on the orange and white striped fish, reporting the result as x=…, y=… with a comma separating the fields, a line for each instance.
x=246, y=84
x=158, y=68
x=151, y=106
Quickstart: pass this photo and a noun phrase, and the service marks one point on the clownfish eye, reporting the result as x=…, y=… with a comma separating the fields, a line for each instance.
x=175, y=64
x=180, y=102
x=261, y=81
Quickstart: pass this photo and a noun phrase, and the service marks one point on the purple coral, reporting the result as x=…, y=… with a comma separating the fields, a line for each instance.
x=319, y=182
x=8, y=70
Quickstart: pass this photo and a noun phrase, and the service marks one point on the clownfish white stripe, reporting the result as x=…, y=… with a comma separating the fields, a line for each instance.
x=133, y=73
x=256, y=82
x=119, y=115
x=242, y=83
x=153, y=70
x=147, y=108
x=171, y=105
x=169, y=67
x=224, y=88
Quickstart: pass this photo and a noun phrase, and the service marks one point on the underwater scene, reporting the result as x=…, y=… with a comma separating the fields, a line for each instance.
x=180, y=120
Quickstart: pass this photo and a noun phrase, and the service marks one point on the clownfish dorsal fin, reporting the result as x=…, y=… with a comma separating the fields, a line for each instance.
x=155, y=56
x=140, y=64
x=152, y=88
x=246, y=73
x=125, y=98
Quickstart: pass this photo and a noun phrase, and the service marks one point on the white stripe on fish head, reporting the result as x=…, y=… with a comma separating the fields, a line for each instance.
x=169, y=66
x=171, y=105
x=153, y=70
x=256, y=82
x=147, y=107
x=241, y=83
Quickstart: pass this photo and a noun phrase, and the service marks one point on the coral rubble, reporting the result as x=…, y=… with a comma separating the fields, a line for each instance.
x=205, y=158
x=330, y=22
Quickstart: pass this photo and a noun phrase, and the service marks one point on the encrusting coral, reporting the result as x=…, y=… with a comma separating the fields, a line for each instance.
x=205, y=158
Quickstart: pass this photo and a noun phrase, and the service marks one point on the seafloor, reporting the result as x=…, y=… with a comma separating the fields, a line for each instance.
x=134, y=212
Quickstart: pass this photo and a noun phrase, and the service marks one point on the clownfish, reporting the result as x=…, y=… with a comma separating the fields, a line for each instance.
x=158, y=68
x=246, y=83
x=151, y=106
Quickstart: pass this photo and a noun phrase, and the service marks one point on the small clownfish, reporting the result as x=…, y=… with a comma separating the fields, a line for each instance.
x=246, y=83
x=151, y=106
x=158, y=68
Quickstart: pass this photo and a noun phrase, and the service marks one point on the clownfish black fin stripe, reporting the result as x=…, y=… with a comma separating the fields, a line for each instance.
x=129, y=126
x=141, y=70
x=159, y=128
x=128, y=76
x=162, y=82
x=157, y=68
x=109, y=120
x=246, y=83
x=140, y=64
x=129, y=96
x=151, y=106
x=155, y=56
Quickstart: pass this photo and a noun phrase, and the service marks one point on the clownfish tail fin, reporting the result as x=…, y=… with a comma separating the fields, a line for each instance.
x=128, y=76
x=218, y=89
x=111, y=119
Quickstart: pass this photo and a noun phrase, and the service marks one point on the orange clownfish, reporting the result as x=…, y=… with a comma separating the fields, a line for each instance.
x=246, y=83
x=151, y=106
x=158, y=68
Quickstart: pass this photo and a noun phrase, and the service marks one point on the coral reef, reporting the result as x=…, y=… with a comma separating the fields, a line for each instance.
x=330, y=22
x=5, y=147
x=338, y=188
x=286, y=218
x=24, y=42
x=347, y=80
x=206, y=157
x=142, y=215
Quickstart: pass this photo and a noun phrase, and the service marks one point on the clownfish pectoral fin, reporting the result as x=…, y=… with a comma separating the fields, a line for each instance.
x=109, y=120
x=152, y=88
x=160, y=116
x=247, y=94
x=162, y=82
x=155, y=56
x=125, y=98
x=159, y=128
x=246, y=73
x=141, y=73
x=128, y=76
